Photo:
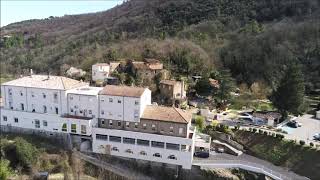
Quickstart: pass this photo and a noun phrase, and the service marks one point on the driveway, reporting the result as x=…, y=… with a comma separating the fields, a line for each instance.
x=310, y=126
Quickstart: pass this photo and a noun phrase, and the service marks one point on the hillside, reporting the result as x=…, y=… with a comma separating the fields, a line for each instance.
x=255, y=39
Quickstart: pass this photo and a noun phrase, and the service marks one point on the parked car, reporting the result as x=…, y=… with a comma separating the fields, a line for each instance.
x=201, y=154
x=298, y=124
x=293, y=124
x=317, y=136
x=220, y=150
x=245, y=116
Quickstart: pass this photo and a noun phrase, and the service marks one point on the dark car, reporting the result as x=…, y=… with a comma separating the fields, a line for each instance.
x=201, y=154
x=292, y=124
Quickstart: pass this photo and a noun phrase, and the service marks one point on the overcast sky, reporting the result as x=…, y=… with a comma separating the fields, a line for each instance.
x=15, y=10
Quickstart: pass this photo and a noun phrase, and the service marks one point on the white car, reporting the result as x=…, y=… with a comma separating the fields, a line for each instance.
x=245, y=116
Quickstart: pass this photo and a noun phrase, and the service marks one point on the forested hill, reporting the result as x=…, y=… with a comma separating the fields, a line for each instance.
x=255, y=39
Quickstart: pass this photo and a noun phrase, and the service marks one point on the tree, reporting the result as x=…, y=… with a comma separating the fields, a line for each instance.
x=26, y=153
x=5, y=170
x=226, y=86
x=199, y=120
x=288, y=97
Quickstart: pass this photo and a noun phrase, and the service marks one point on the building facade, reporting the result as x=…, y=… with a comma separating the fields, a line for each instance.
x=119, y=120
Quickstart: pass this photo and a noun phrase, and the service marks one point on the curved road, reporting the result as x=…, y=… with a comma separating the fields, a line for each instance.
x=246, y=162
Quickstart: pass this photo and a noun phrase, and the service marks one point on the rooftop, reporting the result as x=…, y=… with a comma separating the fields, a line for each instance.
x=127, y=91
x=168, y=114
x=45, y=81
x=101, y=64
x=86, y=90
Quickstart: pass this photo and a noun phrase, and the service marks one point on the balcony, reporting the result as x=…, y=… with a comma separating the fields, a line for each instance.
x=76, y=117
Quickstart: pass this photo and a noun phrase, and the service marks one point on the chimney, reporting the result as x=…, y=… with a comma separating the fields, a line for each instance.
x=31, y=72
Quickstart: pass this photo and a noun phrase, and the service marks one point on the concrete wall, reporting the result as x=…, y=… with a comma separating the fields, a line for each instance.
x=54, y=122
x=83, y=105
x=99, y=73
x=183, y=157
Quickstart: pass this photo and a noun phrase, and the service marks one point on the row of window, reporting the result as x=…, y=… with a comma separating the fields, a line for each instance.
x=136, y=125
x=141, y=142
x=143, y=153
x=44, y=108
x=5, y=118
x=119, y=101
x=55, y=95
x=83, y=128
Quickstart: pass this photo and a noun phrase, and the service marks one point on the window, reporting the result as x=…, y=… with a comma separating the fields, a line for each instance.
x=115, y=149
x=22, y=106
x=10, y=91
x=44, y=95
x=127, y=124
x=144, y=126
x=44, y=109
x=119, y=101
x=129, y=140
x=172, y=157
x=64, y=127
x=136, y=113
x=110, y=122
x=110, y=100
x=135, y=125
x=102, y=137
x=90, y=111
x=172, y=146
x=157, y=155
x=71, y=110
x=102, y=112
x=115, y=138
x=55, y=96
x=129, y=151
x=16, y=120
x=119, y=123
x=37, y=123
x=180, y=130
x=33, y=108
x=136, y=102
x=83, y=129
x=102, y=121
x=45, y=123
x=32, y=94
x=184, y=147
x=171, y=129
x=73, y=128
x=143, y=153
x=81, y=111
x=153, y=127
x=142, y=142
x=178, y=94
x=157, y=144
x=10, y=105
x=102, y=100
x=57, y=110
x=21, y=93
x=5, y=118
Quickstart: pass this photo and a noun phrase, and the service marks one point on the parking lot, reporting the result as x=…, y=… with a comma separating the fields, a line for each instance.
x=310, y=126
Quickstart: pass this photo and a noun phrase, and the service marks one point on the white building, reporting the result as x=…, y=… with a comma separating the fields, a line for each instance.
x=120, y=119
x=101, y=71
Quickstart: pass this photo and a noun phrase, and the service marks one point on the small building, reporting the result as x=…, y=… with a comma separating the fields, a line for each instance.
x=75, y=72
x=101, y=71
x=146, y=69
x=172, y=89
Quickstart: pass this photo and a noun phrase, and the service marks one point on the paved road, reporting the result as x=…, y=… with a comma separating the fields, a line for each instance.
x=247, y=162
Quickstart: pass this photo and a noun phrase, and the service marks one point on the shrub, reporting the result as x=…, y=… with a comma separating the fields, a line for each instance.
x=279, y=136
x=254, y=130
x=301, y=142
x=311, y=144
x=265, y=133
x=5, y=170
x=199, y=120
x=250, y=129
x=260, y=131
x=26, y=153
x=273, y=134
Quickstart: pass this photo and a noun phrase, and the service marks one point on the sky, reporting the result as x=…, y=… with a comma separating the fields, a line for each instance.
x=19, y=10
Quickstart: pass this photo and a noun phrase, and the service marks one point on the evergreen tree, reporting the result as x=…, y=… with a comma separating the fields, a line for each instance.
x=288, y=97
x=226, y=86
